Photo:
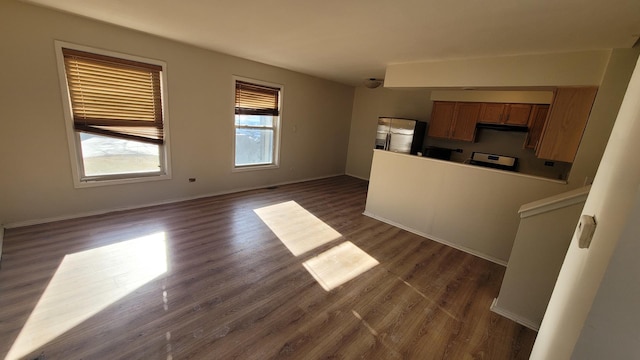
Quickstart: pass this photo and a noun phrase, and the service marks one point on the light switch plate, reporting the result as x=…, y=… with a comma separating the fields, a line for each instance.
x=586, y=228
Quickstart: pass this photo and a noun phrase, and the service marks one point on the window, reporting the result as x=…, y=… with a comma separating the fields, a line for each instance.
x=114, y=109
x=257, y=116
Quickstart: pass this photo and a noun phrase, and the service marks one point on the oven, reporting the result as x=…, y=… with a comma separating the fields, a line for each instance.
x=494, y=161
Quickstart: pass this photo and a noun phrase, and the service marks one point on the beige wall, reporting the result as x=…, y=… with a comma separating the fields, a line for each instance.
x=526, y=97
x=539, y=248
x=36, y=181
x=471, y=208
x=368, y=105
x=560, y=69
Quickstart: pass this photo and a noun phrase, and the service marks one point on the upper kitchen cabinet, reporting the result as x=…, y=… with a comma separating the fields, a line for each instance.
x=565, y=124
x=491, y=113
x=518, y=114
x=505, y=114
x=536, y=124
x=454, y=120
x=441, y=119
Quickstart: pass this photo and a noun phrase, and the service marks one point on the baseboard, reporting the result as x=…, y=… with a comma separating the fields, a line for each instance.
x=436, y=239
x=511, y=316
x=165, y=202
x=357, y=177
x=1, y=241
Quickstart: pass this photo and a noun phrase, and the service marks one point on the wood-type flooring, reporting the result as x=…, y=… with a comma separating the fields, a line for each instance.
x=210, y=279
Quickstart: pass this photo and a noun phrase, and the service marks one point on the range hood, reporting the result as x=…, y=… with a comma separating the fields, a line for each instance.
x=498, y=127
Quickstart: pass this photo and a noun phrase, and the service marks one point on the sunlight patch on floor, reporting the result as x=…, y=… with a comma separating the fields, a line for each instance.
x=86, y=283
x=339, y=264
x=298, y=229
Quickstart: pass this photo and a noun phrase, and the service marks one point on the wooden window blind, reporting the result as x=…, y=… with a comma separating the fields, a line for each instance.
x=115, y=97
x=252, y=99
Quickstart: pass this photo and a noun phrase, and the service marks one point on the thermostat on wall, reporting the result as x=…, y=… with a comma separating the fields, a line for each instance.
x=585, y=230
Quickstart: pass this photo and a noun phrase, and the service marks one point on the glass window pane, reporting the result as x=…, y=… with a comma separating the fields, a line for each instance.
x=254, y=146
x=104, y=155
x=255, y=120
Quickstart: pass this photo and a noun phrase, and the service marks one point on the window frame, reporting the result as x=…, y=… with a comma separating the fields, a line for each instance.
x=277, y=126
x=80, y=180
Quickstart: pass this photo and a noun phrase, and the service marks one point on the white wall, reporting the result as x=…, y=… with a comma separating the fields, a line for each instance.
x=611, y=329
x=611, y=201
x=368, y=105
x=36, y=178
x=559, y=69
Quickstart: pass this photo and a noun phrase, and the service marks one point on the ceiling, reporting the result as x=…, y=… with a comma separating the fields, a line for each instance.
x=351, y=40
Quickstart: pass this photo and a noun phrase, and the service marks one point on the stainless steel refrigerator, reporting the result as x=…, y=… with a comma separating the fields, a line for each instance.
x=400, y=135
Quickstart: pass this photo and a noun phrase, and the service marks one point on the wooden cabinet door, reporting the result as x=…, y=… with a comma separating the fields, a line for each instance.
x=567, y=119
x=536, y=124
x=491, y=113
x=441, y=119
x=518, y=114
x=465, y=118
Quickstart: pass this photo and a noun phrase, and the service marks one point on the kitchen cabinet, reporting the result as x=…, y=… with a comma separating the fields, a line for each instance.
x=454, y=120
x=491, y=113
x=565, y=124
x=441, y=119
x=505, y=114
x=536, y=124
x=518, y=114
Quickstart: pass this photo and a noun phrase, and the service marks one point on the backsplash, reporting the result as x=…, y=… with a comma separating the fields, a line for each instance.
x=504, y=143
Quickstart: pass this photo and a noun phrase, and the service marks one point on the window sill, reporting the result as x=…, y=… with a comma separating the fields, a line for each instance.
x=95, y=183
x=254, y=167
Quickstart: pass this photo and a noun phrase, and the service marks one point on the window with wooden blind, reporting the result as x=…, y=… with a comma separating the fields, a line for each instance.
x=115, y=108
x=257, y=117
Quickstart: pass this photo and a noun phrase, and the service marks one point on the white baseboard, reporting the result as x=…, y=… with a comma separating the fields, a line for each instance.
x=436, y=239
x=511, y=316
x=164, y=202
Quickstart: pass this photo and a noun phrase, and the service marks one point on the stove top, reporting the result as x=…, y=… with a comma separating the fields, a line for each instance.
x=494, y=161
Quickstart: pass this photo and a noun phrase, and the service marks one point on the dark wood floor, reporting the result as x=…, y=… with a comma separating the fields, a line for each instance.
x=230, y=289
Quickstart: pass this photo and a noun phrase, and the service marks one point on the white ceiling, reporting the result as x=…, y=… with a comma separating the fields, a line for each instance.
x=351, y=40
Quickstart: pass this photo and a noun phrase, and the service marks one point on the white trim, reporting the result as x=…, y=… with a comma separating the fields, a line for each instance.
x=554, y=202
x=165, y=202
x=277, y=126
x=436, y=239
x=253, y=167
x=73, y=138
x=511, y=316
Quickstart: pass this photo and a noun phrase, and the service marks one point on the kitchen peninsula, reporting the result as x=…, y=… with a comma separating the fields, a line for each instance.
x=474, y=209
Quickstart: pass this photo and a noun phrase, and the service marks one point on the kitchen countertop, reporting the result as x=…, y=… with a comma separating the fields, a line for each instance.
x=456, y=163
